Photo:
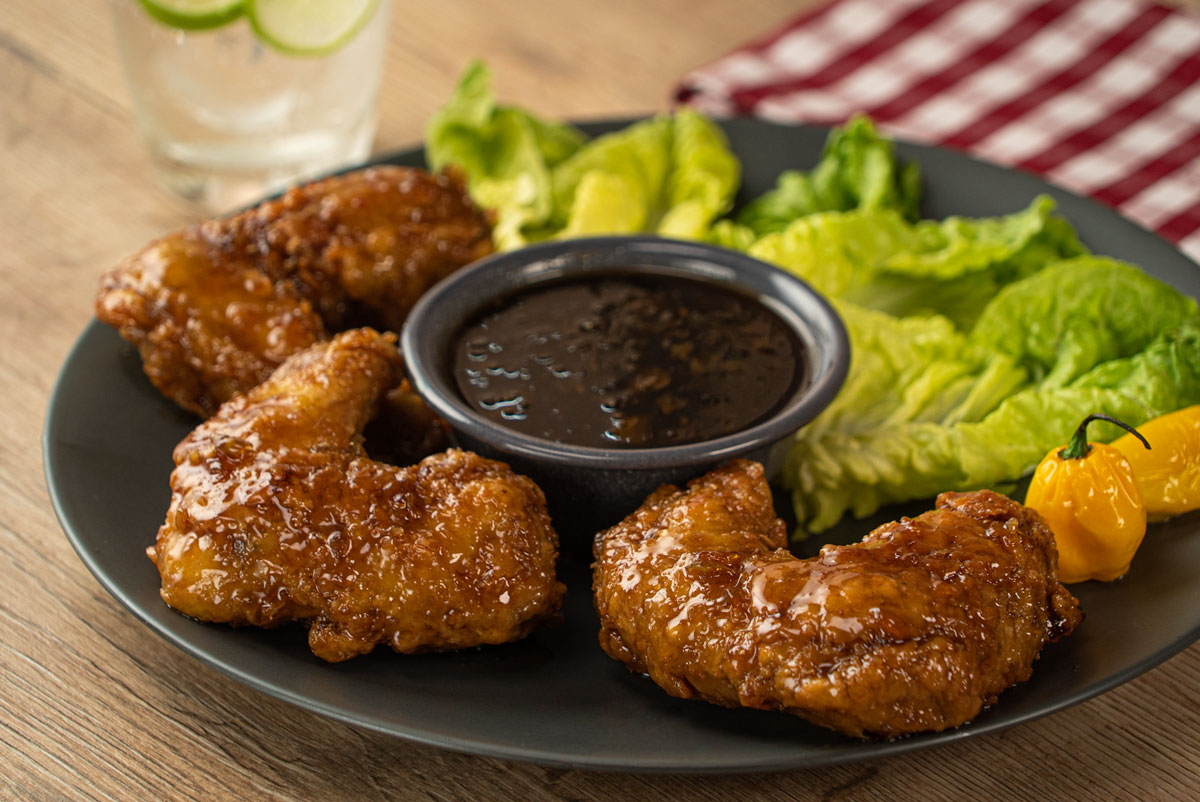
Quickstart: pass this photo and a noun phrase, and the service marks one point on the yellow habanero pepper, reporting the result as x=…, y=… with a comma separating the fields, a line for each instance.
x=1169, y=476
x=1089, y=498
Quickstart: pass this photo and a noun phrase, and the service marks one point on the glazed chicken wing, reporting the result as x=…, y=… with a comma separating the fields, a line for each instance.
x=915, y=628
x=277, y=514
x=213, y=309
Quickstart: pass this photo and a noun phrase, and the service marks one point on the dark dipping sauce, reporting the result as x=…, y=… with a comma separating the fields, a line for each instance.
x=628, y=360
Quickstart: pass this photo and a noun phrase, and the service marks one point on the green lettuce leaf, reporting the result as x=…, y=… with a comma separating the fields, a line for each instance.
x=1083, y=312
x=703, y=179
x=978, y=410
x=930, y=369
x=729, y=234
x=672, y=174
x=615, y=183
x=507, y=154
x=952, y=267
x=858, y=170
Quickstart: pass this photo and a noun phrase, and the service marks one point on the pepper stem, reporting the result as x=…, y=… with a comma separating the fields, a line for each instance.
x=1079, y=447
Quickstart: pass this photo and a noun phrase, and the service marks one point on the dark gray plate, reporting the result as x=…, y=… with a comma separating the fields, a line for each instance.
x=555, y=698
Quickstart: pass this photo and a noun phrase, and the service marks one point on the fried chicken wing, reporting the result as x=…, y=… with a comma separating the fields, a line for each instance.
x=215, y=308
x=277, y=514
x=915, y=628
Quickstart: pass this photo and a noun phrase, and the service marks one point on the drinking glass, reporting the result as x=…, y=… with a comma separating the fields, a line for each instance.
x=227, y=118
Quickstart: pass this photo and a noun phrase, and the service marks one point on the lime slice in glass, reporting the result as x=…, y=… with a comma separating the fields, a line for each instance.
x=193, y=15
x=308, y=27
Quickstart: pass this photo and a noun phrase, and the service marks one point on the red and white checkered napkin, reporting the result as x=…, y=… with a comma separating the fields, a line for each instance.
x=1100, y=96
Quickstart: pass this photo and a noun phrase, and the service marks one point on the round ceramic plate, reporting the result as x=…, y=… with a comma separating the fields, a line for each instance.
x=555, y=697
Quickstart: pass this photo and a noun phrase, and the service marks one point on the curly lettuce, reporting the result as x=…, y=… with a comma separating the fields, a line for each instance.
x=858, y=169
x=672, y=175
x=977, y=410
x=953, y=267
x=1084, y=312
x=506, y=153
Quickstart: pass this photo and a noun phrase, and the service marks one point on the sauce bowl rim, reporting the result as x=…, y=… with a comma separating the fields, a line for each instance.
x=444, y=310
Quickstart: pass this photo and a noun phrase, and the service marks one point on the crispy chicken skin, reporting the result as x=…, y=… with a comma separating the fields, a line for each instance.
x=915, y=628
x=277, y=514
x=215, y=308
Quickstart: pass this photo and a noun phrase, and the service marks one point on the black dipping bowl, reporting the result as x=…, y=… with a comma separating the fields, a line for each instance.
x=589, y=487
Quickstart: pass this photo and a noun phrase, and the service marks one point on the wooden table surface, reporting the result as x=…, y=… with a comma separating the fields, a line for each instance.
x=95, y=706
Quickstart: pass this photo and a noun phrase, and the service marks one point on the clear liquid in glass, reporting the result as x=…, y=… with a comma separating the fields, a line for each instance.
x=228, y=119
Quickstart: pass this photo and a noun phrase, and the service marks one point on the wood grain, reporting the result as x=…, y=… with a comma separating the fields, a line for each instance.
x=95, y=707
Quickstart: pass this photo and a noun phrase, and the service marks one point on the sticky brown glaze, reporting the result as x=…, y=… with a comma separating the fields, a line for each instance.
x=277, y=514
x=214, y=308
x=915, y=628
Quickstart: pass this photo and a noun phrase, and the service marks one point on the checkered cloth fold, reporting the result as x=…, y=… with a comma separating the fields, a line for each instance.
x=1099, y=96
